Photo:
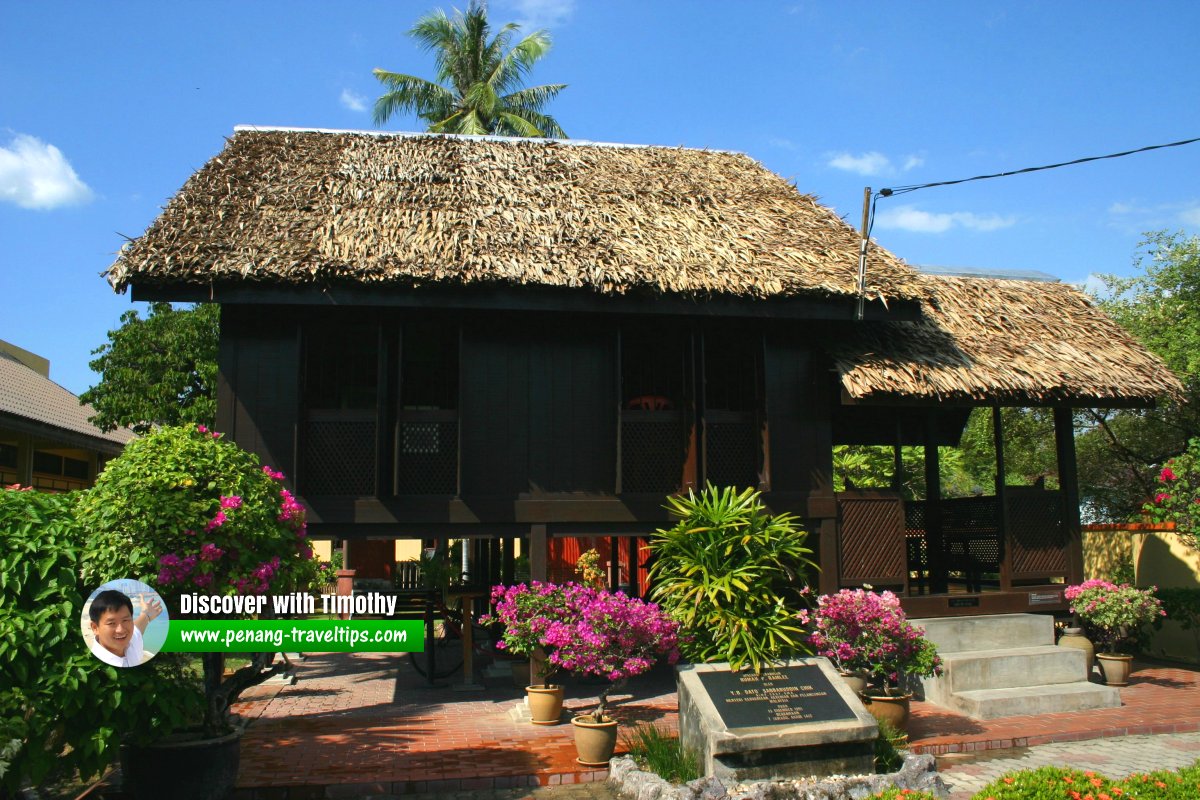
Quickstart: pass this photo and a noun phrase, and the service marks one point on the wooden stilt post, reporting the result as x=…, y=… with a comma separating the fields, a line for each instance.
x=1002, y=500
x=934, y=543
x=539, y=552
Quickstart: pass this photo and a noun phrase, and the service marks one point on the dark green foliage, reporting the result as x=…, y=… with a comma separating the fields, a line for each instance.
x=732, y=576
x=662, y=753
x=57, y=702
x=157, y=370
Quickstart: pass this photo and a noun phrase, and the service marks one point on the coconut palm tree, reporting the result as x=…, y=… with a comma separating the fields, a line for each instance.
x=479, y=80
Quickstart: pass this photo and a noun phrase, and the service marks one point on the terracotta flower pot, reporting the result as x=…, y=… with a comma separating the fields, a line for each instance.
x=545, y=703
x=1115, y=668
x=594, y=741
x=889, y=708
x=856, y=681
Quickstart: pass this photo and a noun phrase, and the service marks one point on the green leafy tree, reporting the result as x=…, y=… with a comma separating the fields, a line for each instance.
x=1121, y=451
x=160, y=369
x=479, y=79
x=733, y=576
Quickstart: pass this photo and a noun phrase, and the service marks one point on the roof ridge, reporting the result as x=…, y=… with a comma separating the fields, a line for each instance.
x=480, y=138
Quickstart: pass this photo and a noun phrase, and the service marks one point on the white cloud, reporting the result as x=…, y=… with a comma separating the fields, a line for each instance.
x=911, y=218
x=872, y=163
x=353, y=100
x=34, y=174
x=1135, y=217
x=536, y=14
x=1190, y=216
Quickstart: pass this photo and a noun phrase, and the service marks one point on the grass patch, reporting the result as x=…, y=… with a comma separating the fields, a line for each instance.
x=657, y=751
x=888, y=747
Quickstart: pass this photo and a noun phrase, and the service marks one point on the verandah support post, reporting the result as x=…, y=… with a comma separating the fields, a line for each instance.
x=1002, y=499
x=934, y=544
x=1068, y=482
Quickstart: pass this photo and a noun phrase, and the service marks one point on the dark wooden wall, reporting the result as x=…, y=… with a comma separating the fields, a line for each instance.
x=537, y=413
x=258, y=383
x=538, y=407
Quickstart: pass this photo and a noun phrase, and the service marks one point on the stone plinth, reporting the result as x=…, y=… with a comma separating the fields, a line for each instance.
x=794, y=720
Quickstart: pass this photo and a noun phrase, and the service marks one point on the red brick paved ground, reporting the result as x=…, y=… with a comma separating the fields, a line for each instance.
x=365, y=724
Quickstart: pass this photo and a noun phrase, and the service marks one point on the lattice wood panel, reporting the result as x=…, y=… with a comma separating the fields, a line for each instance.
x=871, y=540
x=427, y=457
x=971, y=534
x=339, y=457
x=1036, y=533
x=731, y=454
x=652, y=452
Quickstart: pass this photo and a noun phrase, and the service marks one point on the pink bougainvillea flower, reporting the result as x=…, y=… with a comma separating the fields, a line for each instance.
x=1167, y=474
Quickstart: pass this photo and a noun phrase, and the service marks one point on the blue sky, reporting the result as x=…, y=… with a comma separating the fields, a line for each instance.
x=107, y=108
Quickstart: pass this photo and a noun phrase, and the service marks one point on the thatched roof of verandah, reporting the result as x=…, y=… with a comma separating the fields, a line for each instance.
x=1007, y=341
x=292, y=207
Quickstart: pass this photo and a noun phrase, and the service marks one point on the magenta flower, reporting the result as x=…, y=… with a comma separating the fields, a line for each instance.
x=1166, y=475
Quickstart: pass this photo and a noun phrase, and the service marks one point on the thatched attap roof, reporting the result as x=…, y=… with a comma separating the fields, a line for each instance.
x=1007, y=341
x=291, y=207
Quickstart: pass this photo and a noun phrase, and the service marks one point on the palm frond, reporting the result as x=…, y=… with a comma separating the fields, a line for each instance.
x=533, y=98
x=408, y=93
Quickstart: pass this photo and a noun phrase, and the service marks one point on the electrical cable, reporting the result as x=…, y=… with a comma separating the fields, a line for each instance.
x=912, y=188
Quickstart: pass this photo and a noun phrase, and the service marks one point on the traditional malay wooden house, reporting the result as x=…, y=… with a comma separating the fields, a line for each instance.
x=486, y=338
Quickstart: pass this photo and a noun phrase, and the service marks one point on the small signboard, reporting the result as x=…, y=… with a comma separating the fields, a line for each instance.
x=783, y=695
x=1044, y=598
x=964, y=602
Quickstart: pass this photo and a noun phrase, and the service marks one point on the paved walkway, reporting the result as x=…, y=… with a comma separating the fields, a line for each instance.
x=366, y=726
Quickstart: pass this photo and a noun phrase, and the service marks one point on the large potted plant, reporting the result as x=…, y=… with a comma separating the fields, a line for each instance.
x=187, y=511
x=867, y=632
x=731, y=574
x=611, y=636
x=1113, y=613
x=527, y=611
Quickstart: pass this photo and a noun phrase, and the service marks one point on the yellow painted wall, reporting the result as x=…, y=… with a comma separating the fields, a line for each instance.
x=1169, y=560
x=1105, y=551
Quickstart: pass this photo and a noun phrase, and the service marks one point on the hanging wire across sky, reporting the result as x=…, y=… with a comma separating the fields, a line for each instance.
x=898, y=190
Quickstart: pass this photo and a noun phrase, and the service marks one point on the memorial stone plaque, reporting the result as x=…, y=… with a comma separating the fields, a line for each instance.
x=783, y=695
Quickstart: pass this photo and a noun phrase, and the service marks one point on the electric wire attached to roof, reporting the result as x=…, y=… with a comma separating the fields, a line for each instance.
x=870, y=200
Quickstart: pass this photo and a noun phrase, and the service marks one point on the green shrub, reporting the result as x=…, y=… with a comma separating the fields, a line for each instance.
x=732, y=575
x=57, y=702
x=1058, y=783
x=660, y=752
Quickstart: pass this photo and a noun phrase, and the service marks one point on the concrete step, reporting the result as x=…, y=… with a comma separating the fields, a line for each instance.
x=1026, y=700
x=1012, y=668
x=999, y=632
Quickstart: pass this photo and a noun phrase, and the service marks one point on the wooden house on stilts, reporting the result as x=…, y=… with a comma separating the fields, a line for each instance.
x=491, y=339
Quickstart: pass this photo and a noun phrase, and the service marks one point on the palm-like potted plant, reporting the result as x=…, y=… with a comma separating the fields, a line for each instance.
x=1113, y=613
x=867, y=633
x=189, y=512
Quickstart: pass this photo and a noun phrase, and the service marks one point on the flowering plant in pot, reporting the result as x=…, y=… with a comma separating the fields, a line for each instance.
x=863, y=631
x=526, y=611
x=1112, y=612
x=612, y=636
x=187, y=511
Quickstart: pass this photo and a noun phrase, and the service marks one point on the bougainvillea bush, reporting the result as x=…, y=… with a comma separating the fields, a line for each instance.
x=1113, y=612
x=188, y=511
x=587, y=631
x=1178, y=497
x=868, y=632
